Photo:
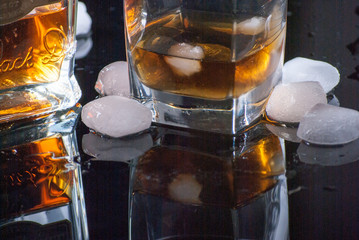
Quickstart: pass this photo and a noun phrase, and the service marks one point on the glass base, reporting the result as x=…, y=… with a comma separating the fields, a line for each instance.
x=31, y=100
x=225, y=116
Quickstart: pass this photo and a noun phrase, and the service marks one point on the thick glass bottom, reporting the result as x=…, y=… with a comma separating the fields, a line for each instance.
x=223, y=116
x=32, y=100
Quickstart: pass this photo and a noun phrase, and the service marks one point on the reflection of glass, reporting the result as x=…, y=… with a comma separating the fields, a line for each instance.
x=190, y=187
x=37, y=45
x=41, y=186
x=207, y=65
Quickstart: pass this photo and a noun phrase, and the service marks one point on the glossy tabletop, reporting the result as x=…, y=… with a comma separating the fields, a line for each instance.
x=321, y=195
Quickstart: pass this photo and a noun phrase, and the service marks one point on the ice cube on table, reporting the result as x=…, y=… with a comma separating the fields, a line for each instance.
x=289, y=102
x=113, y=79
x=116, y=116
x=116, y=149
x=251, y=26
x=303, y=69
x=329, y=125
x=83, y=21
x=184, y=59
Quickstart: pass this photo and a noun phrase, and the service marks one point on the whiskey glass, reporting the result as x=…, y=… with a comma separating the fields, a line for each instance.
x=207, y=65
x=37, y=46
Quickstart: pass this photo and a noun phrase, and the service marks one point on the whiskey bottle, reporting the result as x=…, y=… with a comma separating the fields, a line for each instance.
x=37, y=45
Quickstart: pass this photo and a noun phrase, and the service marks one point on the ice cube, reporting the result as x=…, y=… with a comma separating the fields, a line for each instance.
x=116, y=149
x=329, y=125
x=185, y=188
x=83, y=47
x=251, y=26
x=84, y=21
x=329, y=156
x=303, y=69
x=182, y=60
x=289, y=102
x=116, y=116
x=113, y=79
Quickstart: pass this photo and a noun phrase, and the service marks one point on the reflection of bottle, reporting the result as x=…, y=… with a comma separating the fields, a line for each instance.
x=192, y=186
x=40, y=182
x=36, y=175
x=36, y=52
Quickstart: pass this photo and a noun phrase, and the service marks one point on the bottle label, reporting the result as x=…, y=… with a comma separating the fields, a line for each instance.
x=12, y=10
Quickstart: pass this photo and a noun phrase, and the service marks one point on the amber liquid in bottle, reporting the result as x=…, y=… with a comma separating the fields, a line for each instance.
x=33, y=47
x=33, y=52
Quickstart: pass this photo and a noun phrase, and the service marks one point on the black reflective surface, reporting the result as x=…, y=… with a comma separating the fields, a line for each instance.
x=322, y=184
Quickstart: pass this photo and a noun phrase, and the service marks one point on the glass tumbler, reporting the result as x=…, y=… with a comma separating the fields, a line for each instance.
x=207, y=65
x=37, y=46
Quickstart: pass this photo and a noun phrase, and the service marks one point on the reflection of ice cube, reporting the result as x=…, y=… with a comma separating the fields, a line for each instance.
x=182, y=59
x=329, y=156
x=289, y=102
x=185, y=188
x=303, y=69
x=252, y=26
x=116, y=116
x=116, y=149
x=329, y=125
x=113, y=79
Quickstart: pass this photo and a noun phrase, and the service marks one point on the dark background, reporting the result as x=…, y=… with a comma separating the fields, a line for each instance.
x=327, y=205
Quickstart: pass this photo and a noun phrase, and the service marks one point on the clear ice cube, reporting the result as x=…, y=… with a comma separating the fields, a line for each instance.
x=252, y=26
x=303, y=69
x=185, y=59
x=289, y=102
x=116, y=116
x=113, y=79
x=83, y=21
x=325, y=124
